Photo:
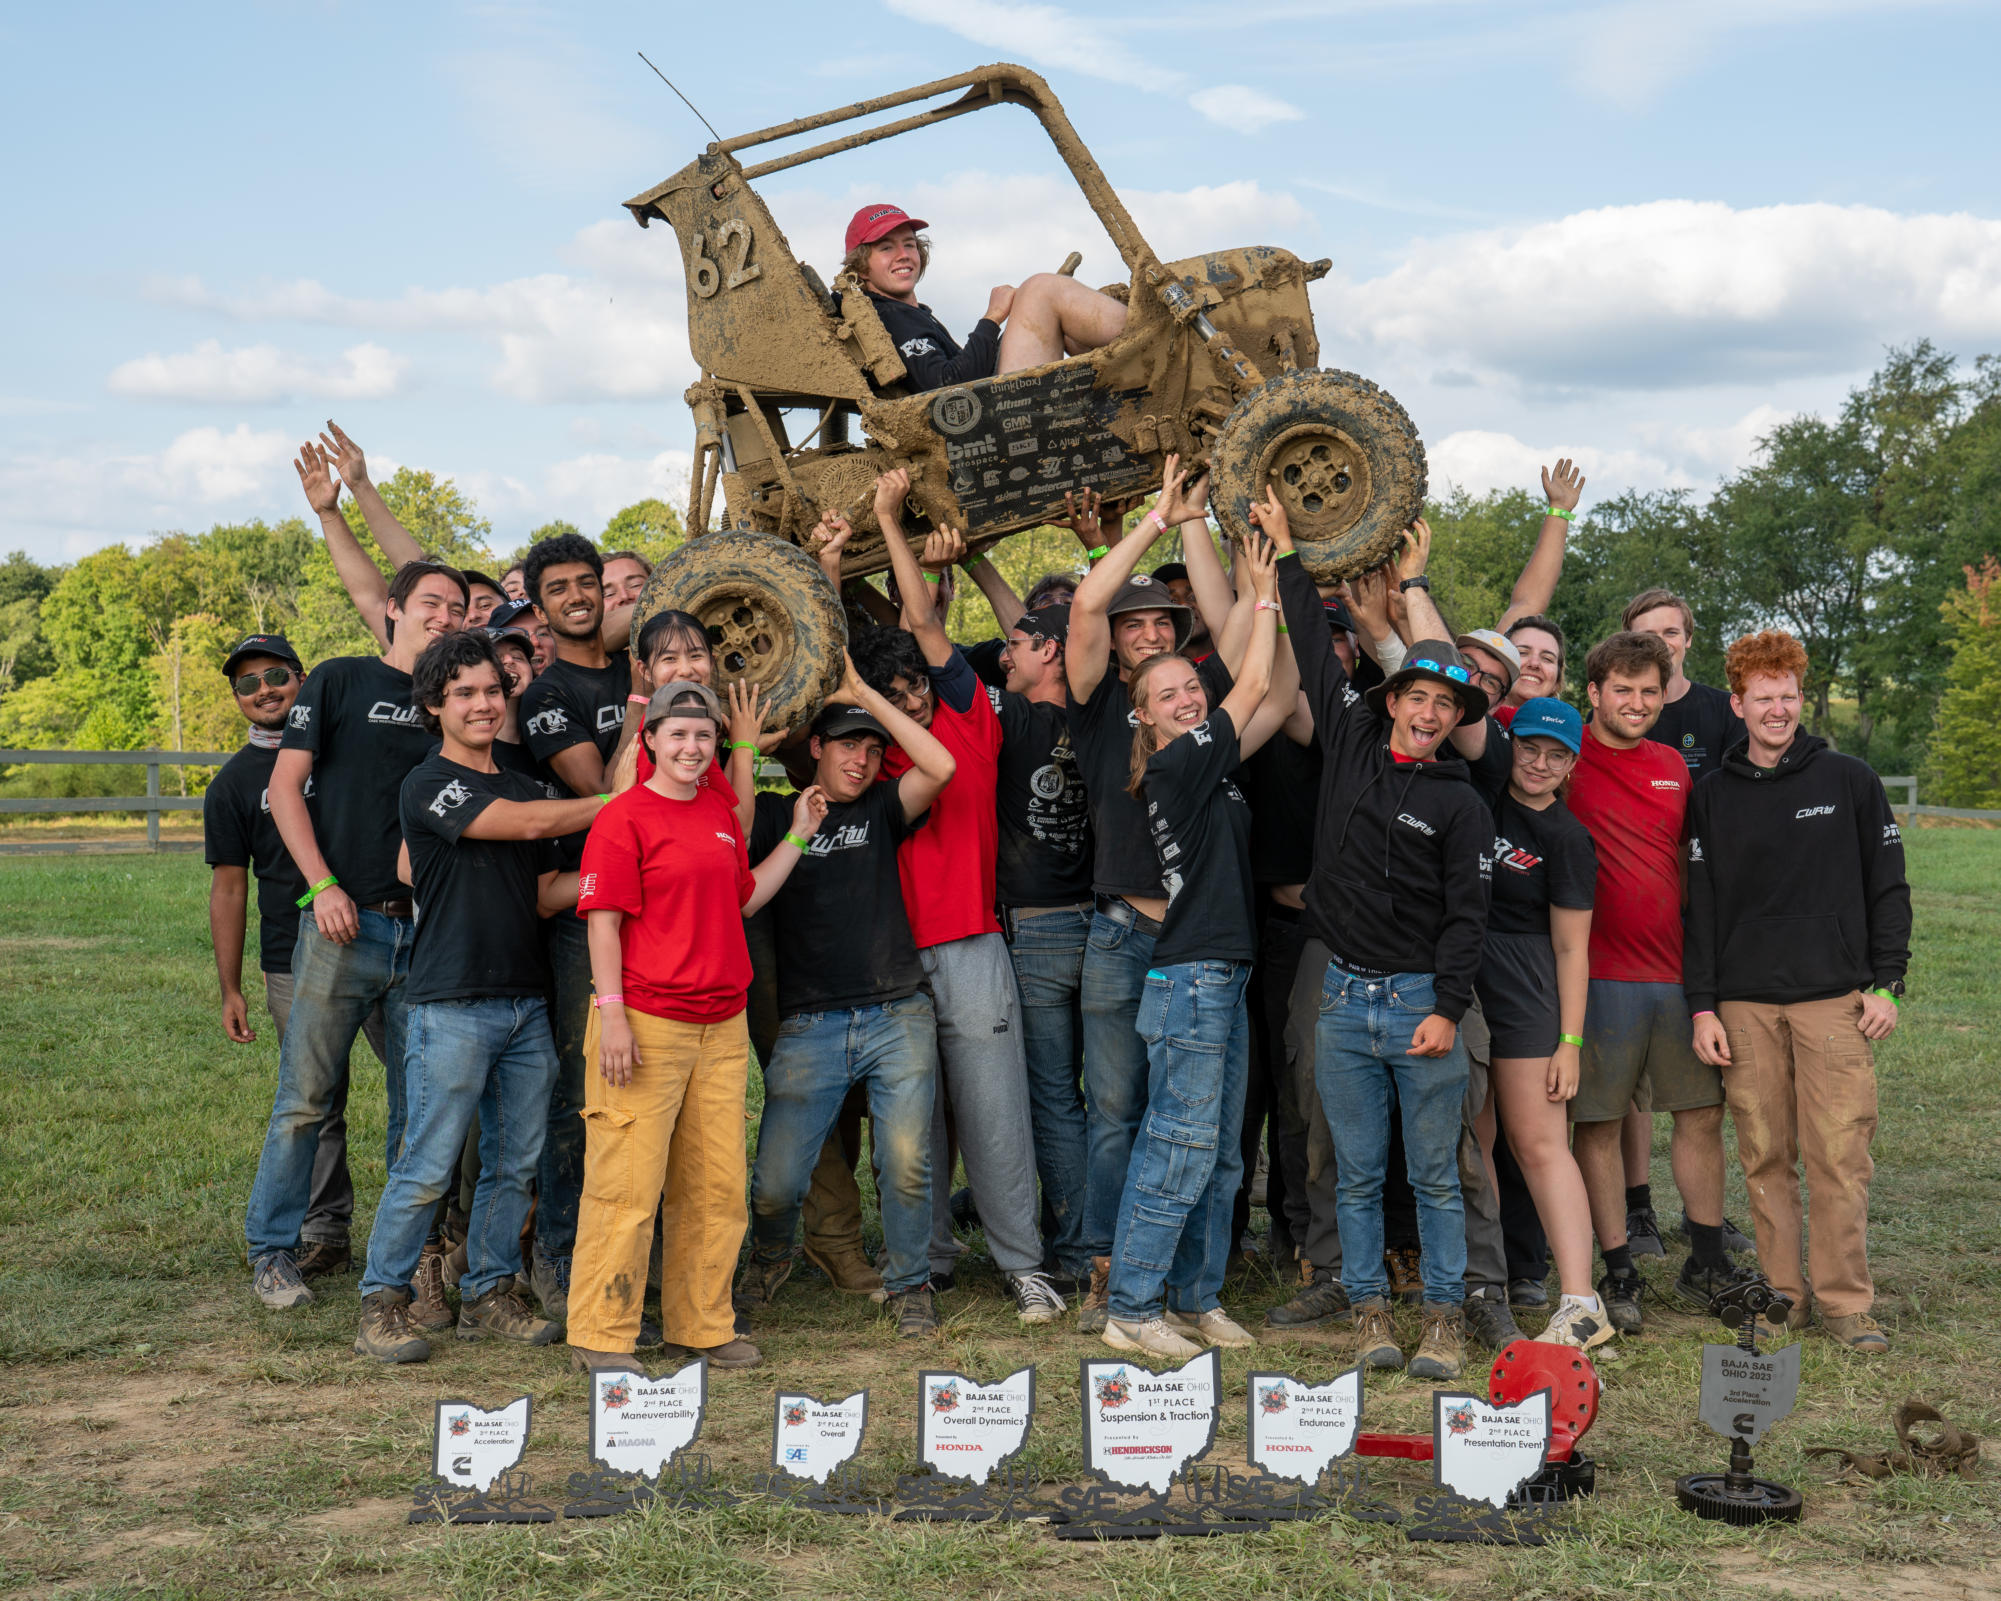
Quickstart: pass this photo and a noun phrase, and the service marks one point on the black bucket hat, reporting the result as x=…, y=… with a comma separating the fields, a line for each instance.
x=1142, y=593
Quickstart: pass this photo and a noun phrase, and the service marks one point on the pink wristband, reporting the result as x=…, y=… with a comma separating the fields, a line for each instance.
x=1156, y=519
x=608, y=1000
x=638, y=700
x=1705, y=1012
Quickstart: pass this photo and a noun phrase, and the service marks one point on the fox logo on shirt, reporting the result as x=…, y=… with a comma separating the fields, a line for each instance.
x=1201, y=735
x=550, y=721
x=452, y=795
x=301, y=716
x=920, y=346
x=1694, y=849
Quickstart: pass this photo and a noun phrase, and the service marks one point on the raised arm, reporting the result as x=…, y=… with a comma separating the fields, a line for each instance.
x=1087, y=655
x=920, y=611
x=1253, y=675
x=358, y=575
x=1008, y=609
x=1328, y=691
x=932, y=765
x=397, y=542
x=1564, y=485
x=1214, y=596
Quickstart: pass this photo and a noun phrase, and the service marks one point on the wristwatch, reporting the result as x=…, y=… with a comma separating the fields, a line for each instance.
x=1894, y=989
x=1421, y=581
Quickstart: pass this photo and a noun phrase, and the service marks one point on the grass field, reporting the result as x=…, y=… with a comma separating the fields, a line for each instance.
x=161, y=1435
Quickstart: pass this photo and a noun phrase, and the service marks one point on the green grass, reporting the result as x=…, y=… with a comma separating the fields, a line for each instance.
x=163, y=1436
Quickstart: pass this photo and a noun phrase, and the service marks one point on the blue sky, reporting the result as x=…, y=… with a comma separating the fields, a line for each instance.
x=1635, y=233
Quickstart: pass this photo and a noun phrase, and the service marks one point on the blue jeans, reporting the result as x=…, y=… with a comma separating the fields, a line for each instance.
x=492, y=1056
x=891, y=1051
x=1048, y=954
x=559, y=1184
x=1181, y=1186
x=1361, y=1066
x=334, y=989
x=1115, y=1065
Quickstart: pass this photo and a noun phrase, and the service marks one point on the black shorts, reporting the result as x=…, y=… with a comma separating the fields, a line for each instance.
x=1517, y=987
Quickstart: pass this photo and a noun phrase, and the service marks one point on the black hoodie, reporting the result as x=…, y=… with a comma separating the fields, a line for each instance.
x=1400, y=851
x=1796, y=887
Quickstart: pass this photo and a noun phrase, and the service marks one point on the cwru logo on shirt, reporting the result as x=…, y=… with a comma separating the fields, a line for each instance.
x=387, y=711
x=610, y=717
x=550, y=721
x=1417, y=823
x=1813, y=811
x=451, y=796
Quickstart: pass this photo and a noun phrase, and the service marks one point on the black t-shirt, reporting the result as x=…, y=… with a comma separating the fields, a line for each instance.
x=1102, y=730
x=1541, y=859
x=1200, y=827
x=356, y=716
x=1283, y=784
x=843, y=937
x=1701, y=726
x=237, y=831
x=984, y=657
x=571, y=705
x=478, y=934
x=1045, y=822
x=520, y=759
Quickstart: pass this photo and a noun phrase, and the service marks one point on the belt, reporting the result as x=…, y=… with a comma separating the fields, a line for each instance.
x=402, y=908
x=1021, y=914
x=1121, y=910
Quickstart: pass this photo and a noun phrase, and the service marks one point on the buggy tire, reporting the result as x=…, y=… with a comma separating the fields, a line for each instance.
x=1343, y=456
x=770, y=614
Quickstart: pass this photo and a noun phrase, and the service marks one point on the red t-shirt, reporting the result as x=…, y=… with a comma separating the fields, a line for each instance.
x=1635, y=803
x=947, y=866
x=680, y=871
x=1504, y=715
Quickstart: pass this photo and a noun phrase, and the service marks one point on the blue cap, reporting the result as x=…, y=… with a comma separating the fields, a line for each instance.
x=1548, y=718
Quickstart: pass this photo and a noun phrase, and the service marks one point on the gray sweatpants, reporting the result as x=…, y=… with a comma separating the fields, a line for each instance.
x=983, y=1066
x=330, y=1208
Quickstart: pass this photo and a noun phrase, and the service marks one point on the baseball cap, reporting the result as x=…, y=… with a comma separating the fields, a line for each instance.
x=869, y=224
x=1168, y=571
x=276, y=645
x=1545, y=717
x=1142, y=593
x=511, y=613
x=1337, y=616
x=1050, y=622
x=1434, y=659
x=684, y=698
x=839, y=722
x=1495, y=645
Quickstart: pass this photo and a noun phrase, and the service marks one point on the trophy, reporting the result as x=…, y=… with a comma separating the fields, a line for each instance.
x=1744, y=1392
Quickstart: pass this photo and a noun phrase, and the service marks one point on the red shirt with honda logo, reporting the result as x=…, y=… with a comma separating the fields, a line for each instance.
x=1635, y=803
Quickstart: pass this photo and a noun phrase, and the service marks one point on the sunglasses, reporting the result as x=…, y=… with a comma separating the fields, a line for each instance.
x=1458, y=675
x=271, y=677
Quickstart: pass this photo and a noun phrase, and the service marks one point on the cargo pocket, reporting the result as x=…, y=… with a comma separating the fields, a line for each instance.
x=608, y=1154
x=1180, y=1156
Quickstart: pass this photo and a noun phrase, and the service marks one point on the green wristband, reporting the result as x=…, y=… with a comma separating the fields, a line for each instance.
x=934, y=578
x=794, y=839
x=1101, y=551
x=1888, y=997
x=1567, y=516
x=306, y=899
x=743, y=744
x=603, y=798
x=1571, y=1039
x=1283, y=629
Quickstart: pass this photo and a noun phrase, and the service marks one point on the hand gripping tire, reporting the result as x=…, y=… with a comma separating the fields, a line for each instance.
x=1344, y=457
x=771, y=617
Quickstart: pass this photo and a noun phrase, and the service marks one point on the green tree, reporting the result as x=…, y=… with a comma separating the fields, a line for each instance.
x=1965, y=762
x=650, y=527
x=196, y=710
x=24, y=652
x=1479, y=547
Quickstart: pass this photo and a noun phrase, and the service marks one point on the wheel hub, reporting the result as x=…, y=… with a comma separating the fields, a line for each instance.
x=747, y=636
x=1321, y=478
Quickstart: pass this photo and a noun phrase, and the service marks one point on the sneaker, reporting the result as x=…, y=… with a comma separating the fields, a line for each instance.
x=1696, y=1288
x=1735, y=1241
x=1150, y=1336
x=1530, y=1293
x=1489, y=1321
x=275, y=1277
x=1578, y=1323
x=759, y=1282
x=1620, y=1294
x=849, y=1270
x=502, y=1315
x=1441, y=1352
x=386, y=1332
x=428, y=1307
x=1376, y=1336
x=1858, y=1331
x=1214, y=1327
x=1322, y=1300
x=319, y=1258
x=1405, y=1266
x=915, y=1316
x=1096, y=1305
x=730, y=1354
x=1643, y=1233
x=551, y=1283
x=583, y=1360
x=1035, y=1298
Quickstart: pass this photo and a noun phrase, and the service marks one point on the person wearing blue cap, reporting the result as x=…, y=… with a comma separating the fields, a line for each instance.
x=1535, y=971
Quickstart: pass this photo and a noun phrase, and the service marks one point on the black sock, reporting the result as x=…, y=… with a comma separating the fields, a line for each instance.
x=1619, y=1260
x=1639, y=1197
x=1705, y=1244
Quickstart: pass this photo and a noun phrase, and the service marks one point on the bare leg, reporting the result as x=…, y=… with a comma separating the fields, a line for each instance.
x=1637, y=1142
x=1596, y=1149
x=1538, y=1130
x=1696, y=1153
x=1053, y=315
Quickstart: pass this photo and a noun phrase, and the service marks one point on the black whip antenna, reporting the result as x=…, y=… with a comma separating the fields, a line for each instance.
x=683, y=98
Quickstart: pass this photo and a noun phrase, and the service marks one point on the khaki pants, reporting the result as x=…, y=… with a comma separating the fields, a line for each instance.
x=1802, y=1084
x=676, y=1128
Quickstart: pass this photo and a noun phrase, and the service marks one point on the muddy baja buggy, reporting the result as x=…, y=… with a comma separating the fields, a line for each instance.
x=1216, y=361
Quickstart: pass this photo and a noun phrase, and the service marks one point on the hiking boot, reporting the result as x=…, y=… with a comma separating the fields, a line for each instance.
x=1035, y=1298
x=1577, y=1324
x=1376, y=1336
x=1620, y=1294
x=1858, y=1331
x=915, y=1316
x=319, y=1258
x=1488, y=1320
x=1643, y=1232
x=1405, y=1265
x=1150, y=1336
x=848, y=1269
x=550, y=1280
x=1441, y=1352
x=583, y=1360
x=1214, y=1327
x=1096, y=1305
x=275, y=1277
x=759, y=1282
x=730, y=1354
x=502, y=1315
x=1530, y=1293
x=1696, y=1288
x=1735, y=1241
x=428, y=1307
x=1321, y=1300
x=386, y=1332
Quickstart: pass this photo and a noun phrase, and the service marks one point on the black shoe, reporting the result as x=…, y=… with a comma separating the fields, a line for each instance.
x=319, y=1258
x=1621, y=1292
x=1528, y=1292
x=941, y=1282
x=912, y=1309
x=965, y=1214
x=1643, y=1233
x=1322, y=1301
x=1067, y=1284
x=1696, y=1288
x=1733, y=1238
x=1488, y=1320
x=651, y=1338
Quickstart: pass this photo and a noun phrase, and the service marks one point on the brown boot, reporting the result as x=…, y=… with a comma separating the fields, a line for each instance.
x=1096, y=1306
x=1404, y=1265
x=847, y=1265
x=1858, y=1331
x=584, y=1360
x=386, y=1332
x=731, y=1354
x=428, y=1307
x=1441, y=1352
x=500, y=1314
x=1376, y=1336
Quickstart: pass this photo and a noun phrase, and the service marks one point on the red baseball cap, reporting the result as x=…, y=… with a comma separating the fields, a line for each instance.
x=869, y=224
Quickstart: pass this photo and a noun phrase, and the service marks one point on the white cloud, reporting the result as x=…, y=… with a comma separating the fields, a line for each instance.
x=1235, y=105
x=1046, y=36
x=258, y=374
x=1479, y=460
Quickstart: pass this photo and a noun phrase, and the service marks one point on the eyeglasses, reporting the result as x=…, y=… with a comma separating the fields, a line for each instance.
x=917, y=688
x=1554, y=756
x=274, y=677
x=1458, y=675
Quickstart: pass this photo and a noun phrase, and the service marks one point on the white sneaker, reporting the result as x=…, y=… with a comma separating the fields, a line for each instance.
x=277, y=1282
x=1152, y=1336
x=1579, y=1322
x=1215, y=1327
x=1035, y=1299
